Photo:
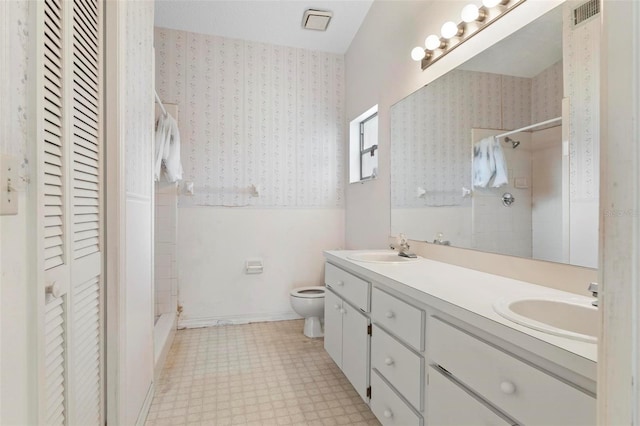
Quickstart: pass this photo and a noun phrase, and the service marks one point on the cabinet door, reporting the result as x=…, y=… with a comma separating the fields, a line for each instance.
x=333, y=326
x=450, y=405
x=355, y=349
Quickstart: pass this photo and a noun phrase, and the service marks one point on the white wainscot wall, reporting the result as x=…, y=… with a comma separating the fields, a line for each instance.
x=214, y=244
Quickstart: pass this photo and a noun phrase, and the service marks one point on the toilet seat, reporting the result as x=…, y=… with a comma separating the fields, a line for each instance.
x=313, y=292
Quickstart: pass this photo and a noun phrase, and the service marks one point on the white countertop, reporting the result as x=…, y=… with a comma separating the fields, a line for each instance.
x=468, y=289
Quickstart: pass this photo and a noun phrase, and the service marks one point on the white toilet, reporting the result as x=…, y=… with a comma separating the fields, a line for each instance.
x=308, y=302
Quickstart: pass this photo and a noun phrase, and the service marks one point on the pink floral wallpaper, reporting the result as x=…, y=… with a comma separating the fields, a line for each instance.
x=261, y=125
x=15, y=57
x=431, y=129
x=582, y=87
x=139, y=108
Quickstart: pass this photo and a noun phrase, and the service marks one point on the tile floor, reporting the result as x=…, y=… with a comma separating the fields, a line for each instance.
x=255, y=374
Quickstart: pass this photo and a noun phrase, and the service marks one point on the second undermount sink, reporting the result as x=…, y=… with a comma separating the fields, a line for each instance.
x=380, y=257
x=571, y=317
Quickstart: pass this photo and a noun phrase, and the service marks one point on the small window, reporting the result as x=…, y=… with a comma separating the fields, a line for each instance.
x=363, y=143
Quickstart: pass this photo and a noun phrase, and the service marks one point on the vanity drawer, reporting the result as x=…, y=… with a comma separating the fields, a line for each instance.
x=351, y=288
x=403, y=368
x=523, y=392
x=450, y=405
x=400, y=318
x=388, y=407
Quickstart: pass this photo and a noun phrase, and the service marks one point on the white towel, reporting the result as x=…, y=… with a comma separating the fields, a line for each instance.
x=483, y=166
x=500, y=162
x=173, y=165
x=489, y=163
x=161, y=139
x=167, y=149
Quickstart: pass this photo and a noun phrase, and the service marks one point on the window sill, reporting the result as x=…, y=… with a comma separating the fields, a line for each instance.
x=369, y=179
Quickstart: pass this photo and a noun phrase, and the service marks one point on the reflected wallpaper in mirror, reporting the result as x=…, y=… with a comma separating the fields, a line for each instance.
x=547, y=72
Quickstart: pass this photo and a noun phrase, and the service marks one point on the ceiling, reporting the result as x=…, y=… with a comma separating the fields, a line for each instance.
x=268, y=21
x=525, y=53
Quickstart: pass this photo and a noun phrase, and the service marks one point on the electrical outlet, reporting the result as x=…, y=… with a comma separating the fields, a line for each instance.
x=8, y=184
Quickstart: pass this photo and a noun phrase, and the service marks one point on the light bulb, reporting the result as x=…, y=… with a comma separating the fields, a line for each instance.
x=449, y=29
x=493, y=3
x=470, y=13
x=432, y=42
x=417, y=53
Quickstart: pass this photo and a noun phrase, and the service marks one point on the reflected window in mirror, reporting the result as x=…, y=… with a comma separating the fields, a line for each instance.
x=363, y=141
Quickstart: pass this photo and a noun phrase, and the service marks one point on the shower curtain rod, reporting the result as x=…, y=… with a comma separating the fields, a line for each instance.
x=542, y=123
x=164, y=111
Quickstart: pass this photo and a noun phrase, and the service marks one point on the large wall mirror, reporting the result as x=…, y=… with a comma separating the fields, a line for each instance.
x=502, y=153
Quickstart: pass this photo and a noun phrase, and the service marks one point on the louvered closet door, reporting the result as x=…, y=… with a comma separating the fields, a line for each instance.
x=71, y=222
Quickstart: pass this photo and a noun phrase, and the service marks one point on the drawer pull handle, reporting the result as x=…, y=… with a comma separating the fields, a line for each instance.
x=336, y=307
x=388, y=413
x=340, y=283
x=390, y=314
x=389, y=361
x=508, y=388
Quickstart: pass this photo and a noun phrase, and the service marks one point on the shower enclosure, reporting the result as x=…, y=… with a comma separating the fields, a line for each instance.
x=165, y=260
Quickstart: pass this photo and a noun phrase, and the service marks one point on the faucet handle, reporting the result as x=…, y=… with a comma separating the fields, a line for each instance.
x=593, y=288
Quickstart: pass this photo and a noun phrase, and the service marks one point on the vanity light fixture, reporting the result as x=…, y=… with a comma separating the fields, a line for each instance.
x=431, y=43
x=418, y=53
x=434, y=42
x=451, y=29
x=471, y=13
x=474, y=19
x=494, y=3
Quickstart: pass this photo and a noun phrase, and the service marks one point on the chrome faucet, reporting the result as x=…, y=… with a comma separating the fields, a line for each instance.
x=439, y=240
x=403, y=247
x=593, y=288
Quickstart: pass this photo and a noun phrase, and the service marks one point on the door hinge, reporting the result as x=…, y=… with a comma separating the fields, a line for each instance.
x=369, y=392
x=369, y=330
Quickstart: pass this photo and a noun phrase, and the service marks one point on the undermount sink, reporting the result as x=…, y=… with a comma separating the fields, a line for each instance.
x=571, y=317
x=380, y=257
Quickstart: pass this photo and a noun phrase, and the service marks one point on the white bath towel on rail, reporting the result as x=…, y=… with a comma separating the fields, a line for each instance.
x=501, y=178
x=167, y=149
x=489, y=163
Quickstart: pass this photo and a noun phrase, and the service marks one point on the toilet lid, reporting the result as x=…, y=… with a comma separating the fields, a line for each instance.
x=308, y=292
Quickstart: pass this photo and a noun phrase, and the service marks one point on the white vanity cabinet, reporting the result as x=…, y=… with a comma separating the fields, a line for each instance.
x=347, y=326
x=397, y=361
x=452, y=405
x=438, y=357
x=525, y=393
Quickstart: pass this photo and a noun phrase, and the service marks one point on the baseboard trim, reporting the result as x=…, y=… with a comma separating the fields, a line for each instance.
x=236, y=319
x=146, y=406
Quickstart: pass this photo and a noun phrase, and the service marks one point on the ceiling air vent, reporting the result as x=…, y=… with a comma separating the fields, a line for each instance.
x=316, y=19
x=585, y=11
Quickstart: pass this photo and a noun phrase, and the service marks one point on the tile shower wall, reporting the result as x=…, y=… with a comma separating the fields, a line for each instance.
x=262, y=130
x=497, y=228
x=166, y=248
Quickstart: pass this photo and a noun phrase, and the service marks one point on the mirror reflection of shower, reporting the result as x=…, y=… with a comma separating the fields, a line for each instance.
x=514, y=143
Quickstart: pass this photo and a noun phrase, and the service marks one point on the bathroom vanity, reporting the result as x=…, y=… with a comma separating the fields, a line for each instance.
x=422, y=343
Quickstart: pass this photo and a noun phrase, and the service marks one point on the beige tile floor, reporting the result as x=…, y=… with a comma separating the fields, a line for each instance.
x=255, y=374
